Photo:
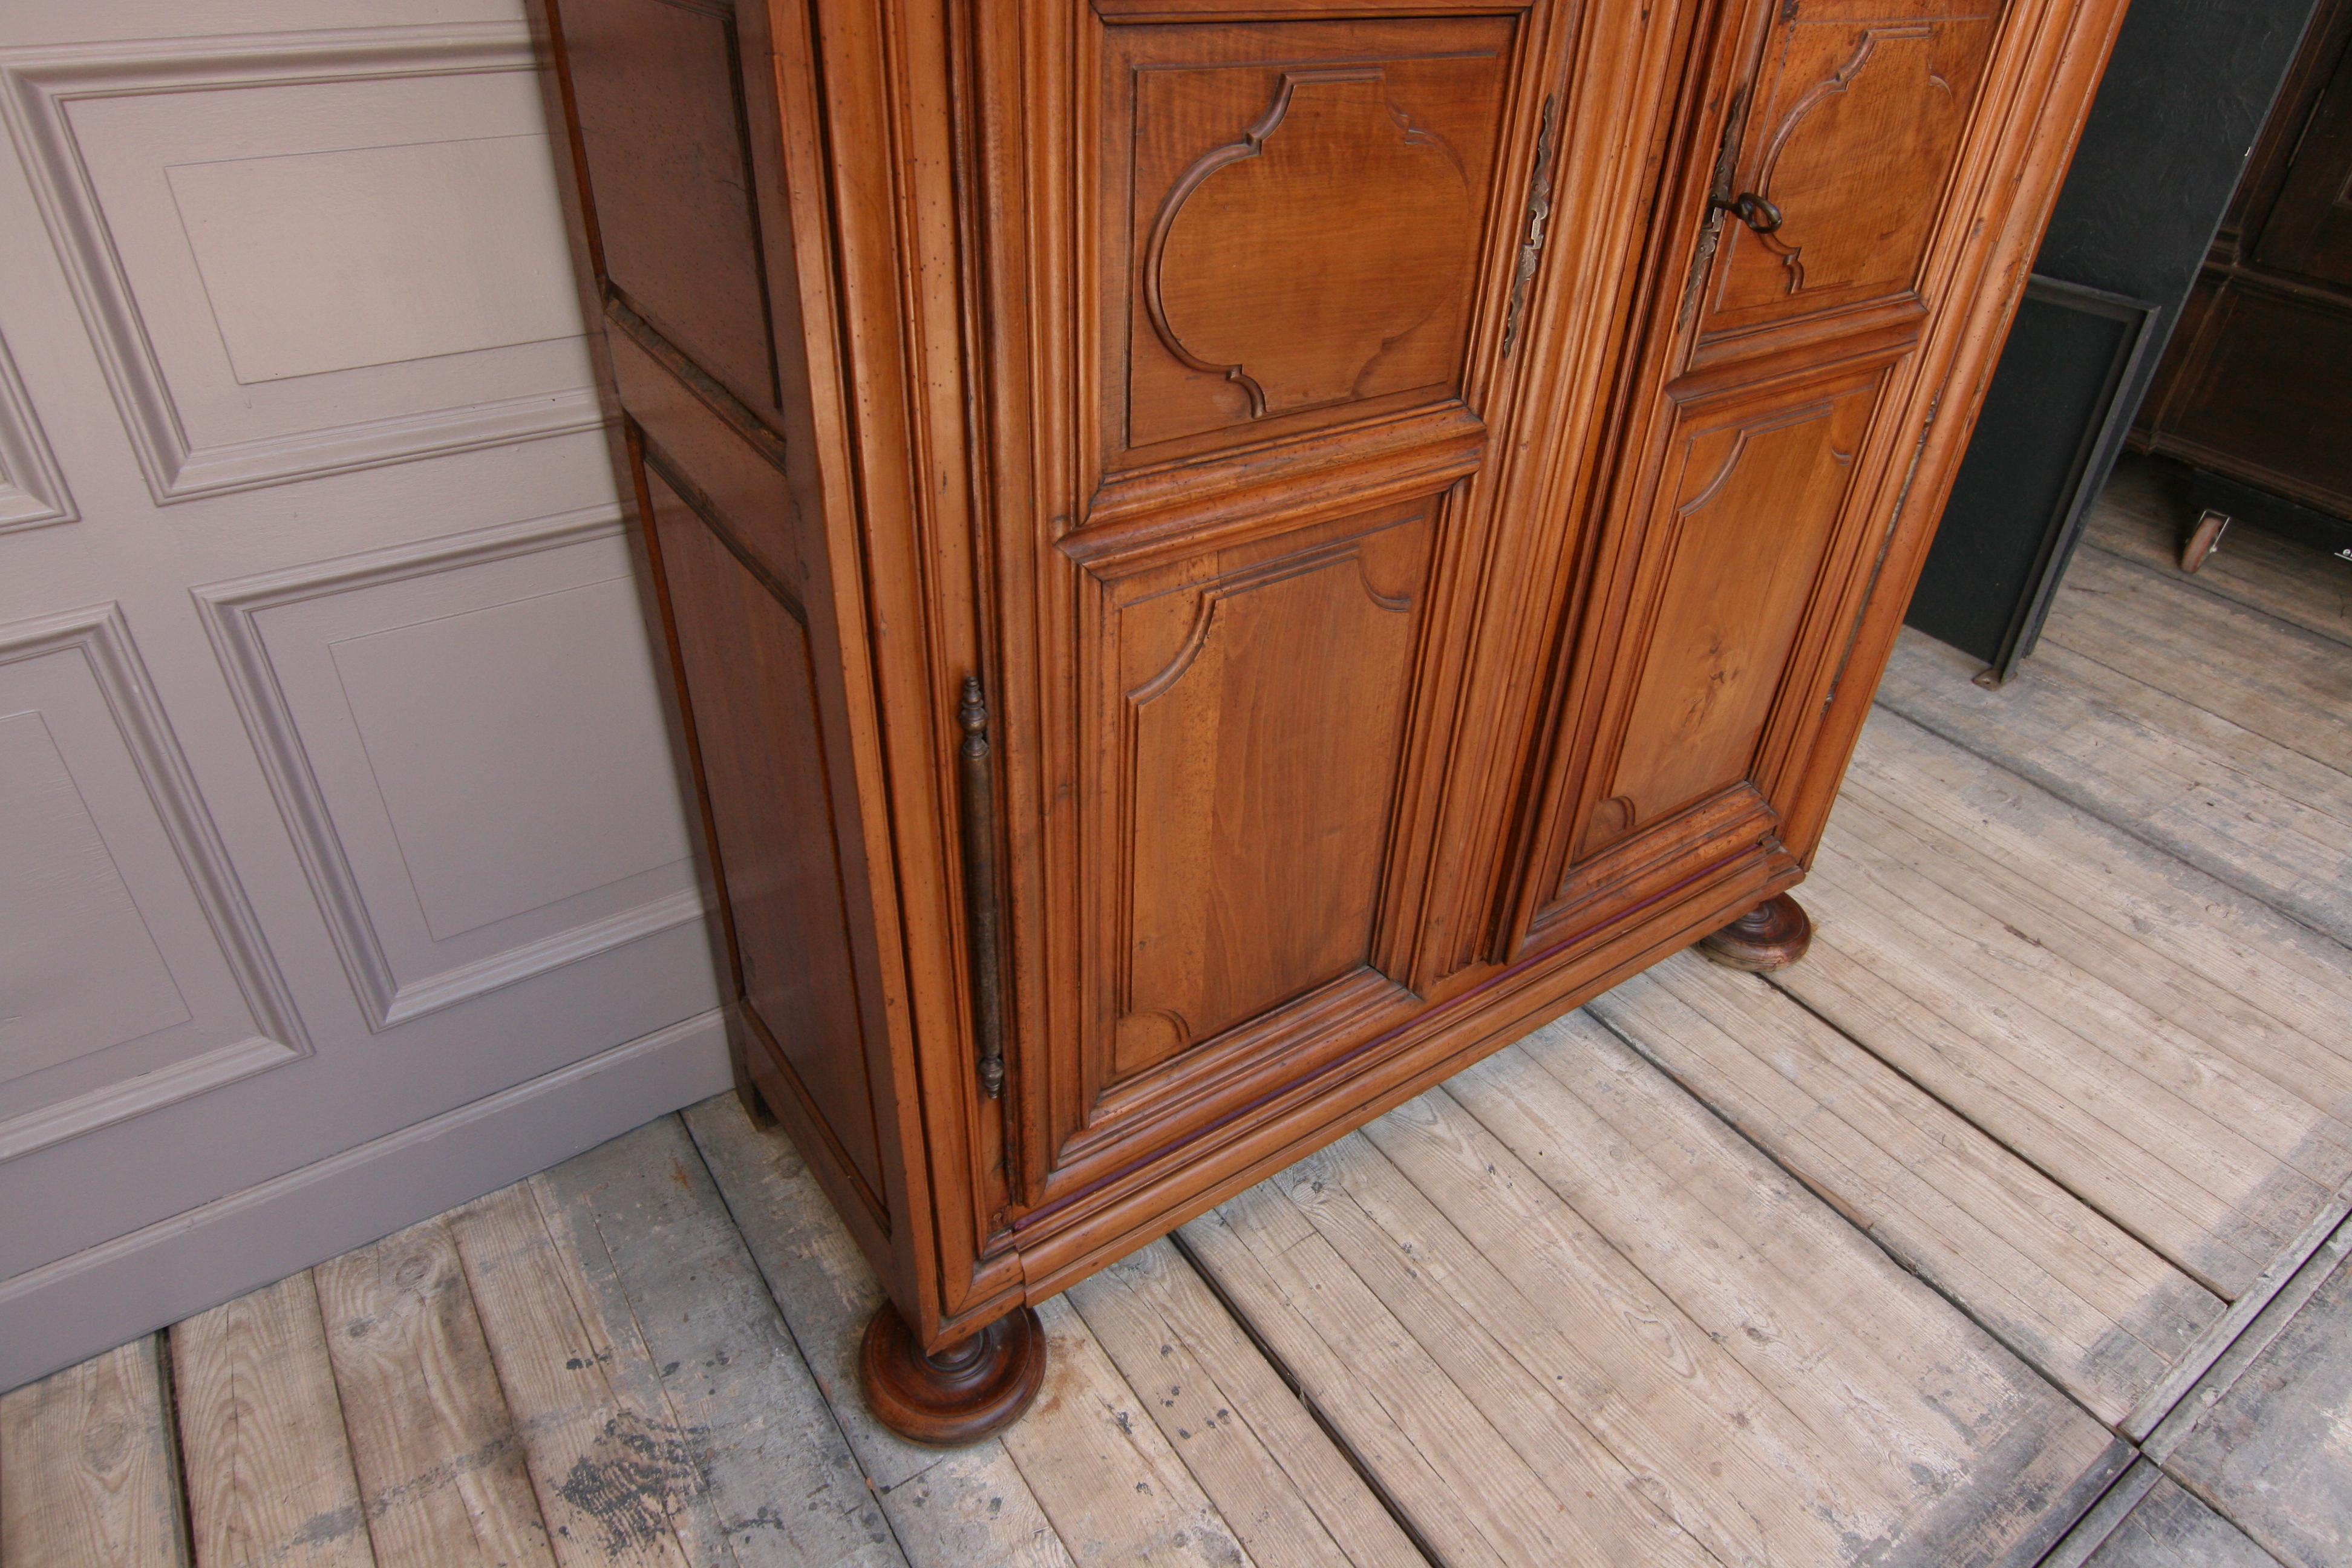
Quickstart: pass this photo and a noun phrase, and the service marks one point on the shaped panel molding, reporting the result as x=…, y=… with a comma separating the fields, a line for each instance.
x=1856, y=134
x=137, y=977
x=1756, y=492
x=32, y=491
x=310, y=252
x=465, y=739
x=1260, y=736
x=1335, y=216
x=1294, y=223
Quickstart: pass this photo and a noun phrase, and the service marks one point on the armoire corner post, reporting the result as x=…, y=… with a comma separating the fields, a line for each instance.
x=1221, y=561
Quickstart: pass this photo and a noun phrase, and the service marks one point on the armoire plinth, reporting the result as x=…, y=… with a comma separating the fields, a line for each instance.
x=1222, y=558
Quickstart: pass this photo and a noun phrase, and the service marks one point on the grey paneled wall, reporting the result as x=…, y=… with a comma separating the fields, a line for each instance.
x=346, y=868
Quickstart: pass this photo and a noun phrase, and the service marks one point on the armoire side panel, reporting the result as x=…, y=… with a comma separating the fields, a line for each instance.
x=661, y=122
x=679, y=212
x=750, y=676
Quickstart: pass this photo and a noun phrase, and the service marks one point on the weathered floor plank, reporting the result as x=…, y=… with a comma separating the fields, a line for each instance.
x=1085, y=1459
x=2212, y=807
x=1572, y=1318
x=1771, y=1496
x=1972, y=1455
x=2087, y=1305
x=2267, y=1439
x=2247, y=1115
x=1116, y=1491
x=974, y=1507
x=2142, y=518
x=770, y=1482
x=1276, y=1478
x=269, y=1474
x=2169, y=1529
x=821, y=1282
x=440, y=1466
x=2040, y=1032
x=2208, y=956
x=1482, y=1485
x=2291, y=687
x=86, y=1468
x=609, y=1468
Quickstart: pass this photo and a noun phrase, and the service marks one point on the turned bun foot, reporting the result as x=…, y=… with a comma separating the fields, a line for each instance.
x=966, y=1393
x=1772, y=935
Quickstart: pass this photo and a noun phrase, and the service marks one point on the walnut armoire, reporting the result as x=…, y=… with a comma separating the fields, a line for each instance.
x=1222, y=558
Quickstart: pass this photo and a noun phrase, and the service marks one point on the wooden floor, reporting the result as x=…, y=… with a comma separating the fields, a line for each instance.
x=2009, y=1227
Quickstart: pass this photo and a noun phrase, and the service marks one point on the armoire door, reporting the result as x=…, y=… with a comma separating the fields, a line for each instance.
x=1294, y=274
x=1761, y=470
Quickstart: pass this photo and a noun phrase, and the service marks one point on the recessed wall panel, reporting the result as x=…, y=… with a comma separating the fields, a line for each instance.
x=467, y=737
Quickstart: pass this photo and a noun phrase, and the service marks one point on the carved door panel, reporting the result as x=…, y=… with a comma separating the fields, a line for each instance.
x=1290, y=262
x=1743, y=525
x=1852, y=133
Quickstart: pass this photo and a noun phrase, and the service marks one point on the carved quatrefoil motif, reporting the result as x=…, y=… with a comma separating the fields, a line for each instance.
x=1287, y=261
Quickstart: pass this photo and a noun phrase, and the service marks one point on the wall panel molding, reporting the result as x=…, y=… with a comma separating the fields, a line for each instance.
x=55, y=1315
x=33, y=491
x=231, y=613
x=38, y=89
x=100, y=637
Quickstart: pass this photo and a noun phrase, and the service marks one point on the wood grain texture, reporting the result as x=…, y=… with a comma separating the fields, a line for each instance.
x=1423, y=565
x=1243, y=176
x=1897, y=1384
x=609, y=1466
x=1657, y=1436
x=2079, y=1298
x=1287, y=1492
x=268, y=1471
x=943, y=1510
x=772, y=1482
x=1637, y=1322
x=441, y=1467
x=2211, y=957
x=2169, y=1528
x=813, y=1268
x=2161, y=1045
x=87, y=1474
x=1456, y=1470
x=2242, y=805
x=2141, y=516
x=2266, y=1441
x=2178, y=1103
x=1859, y=111
x=1114, y=1487
x=974, y=1507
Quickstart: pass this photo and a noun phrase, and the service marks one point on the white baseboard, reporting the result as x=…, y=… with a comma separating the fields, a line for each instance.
x=61, y=1312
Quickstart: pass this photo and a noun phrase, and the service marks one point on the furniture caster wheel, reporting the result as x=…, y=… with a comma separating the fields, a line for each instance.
x=965, y=1394
x=2205, y=540
x=1773, y=935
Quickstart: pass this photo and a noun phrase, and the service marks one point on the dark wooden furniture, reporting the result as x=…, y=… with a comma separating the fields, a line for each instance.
x=2256, y=392
x=1222, y=561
